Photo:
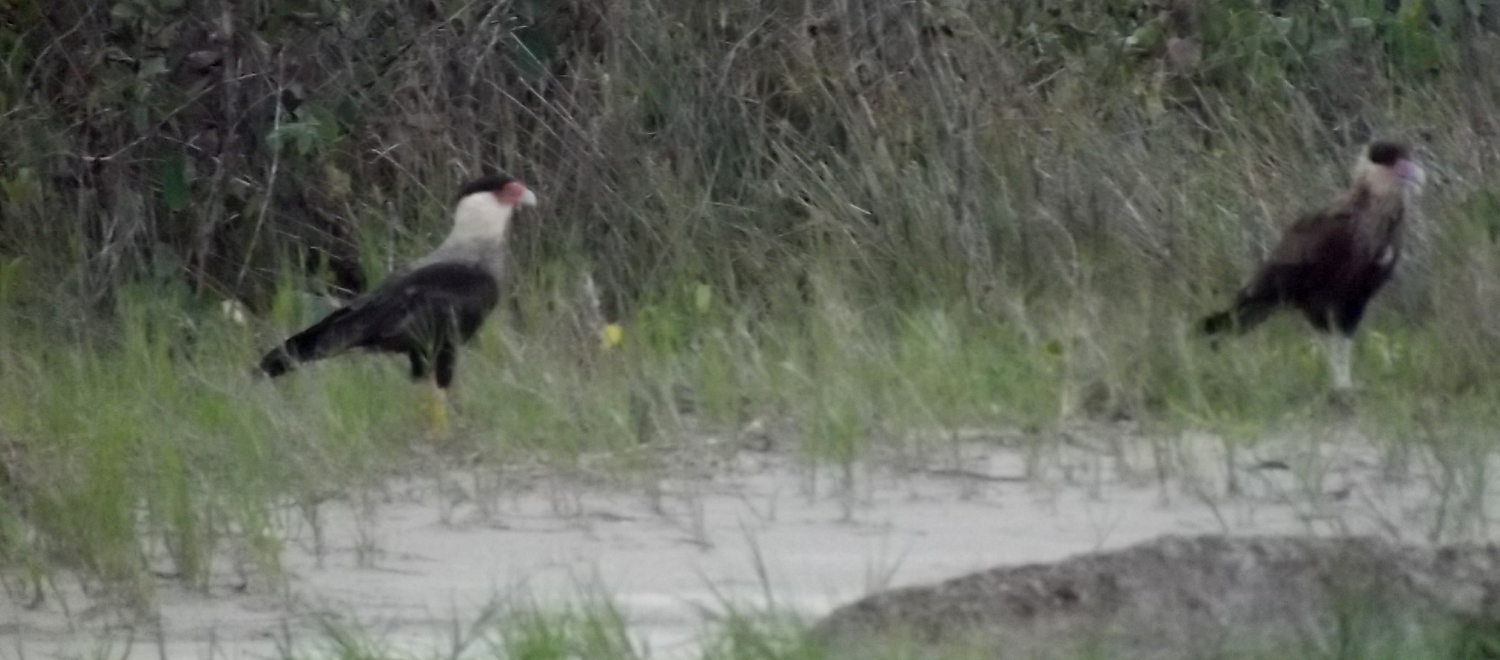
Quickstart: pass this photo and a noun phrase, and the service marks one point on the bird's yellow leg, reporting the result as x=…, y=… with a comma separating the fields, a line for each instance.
x=437, y=413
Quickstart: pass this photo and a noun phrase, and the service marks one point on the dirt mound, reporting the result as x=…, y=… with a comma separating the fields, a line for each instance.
x=1191, y=597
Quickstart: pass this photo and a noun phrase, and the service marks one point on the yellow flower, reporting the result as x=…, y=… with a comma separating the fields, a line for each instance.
x=611, y=335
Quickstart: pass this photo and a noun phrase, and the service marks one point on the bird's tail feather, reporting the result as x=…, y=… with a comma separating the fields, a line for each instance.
x=276, y=362
x=305, y=346
x=1247, y=313
x=284, y=358
x=1212, y=324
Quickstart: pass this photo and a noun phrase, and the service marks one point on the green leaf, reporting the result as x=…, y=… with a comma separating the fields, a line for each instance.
x=153, y=66
x=538, y=49
x=164, y=262
x=1327, y=46
x=339, y=183
x=174, y=183
x=1146, y=38
x=327, y=125
x=124, y=10
x=21, y=186
x=12, y=279
x=703, y=296
x=304, y=135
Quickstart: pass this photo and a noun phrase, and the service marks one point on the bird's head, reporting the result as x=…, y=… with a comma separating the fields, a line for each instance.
x=1388, y=167
x=486, y=204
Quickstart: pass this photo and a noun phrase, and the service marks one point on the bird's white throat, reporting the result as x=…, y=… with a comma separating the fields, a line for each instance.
x=480, y=218
x=1388, y=181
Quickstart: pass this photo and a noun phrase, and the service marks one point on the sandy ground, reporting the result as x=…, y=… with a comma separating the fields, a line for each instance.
x=425, y=554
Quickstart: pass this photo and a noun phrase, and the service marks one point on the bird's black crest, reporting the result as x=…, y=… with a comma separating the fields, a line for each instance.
x=487, y=183
x=1387, y=153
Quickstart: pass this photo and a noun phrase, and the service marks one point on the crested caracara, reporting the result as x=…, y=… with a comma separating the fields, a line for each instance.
x=1331, y=262
x=428, y=308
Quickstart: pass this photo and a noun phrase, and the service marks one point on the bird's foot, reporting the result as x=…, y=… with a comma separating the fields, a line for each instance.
x=437, y=416
x=1344, y=398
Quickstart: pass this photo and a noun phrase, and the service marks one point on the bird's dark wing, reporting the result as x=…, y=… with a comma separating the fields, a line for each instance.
x=407, y=312
x=1309, y=248
x=1311, y=237
x=434, y=298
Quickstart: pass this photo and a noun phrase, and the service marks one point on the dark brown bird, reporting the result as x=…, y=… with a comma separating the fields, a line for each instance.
x=429, y=308
x=1330, y=263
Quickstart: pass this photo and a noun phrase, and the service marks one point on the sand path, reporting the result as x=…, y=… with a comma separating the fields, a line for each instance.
x=422, y=555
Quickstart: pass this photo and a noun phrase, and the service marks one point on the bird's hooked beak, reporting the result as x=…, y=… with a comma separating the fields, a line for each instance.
x=1411, y=173
x=528, y=198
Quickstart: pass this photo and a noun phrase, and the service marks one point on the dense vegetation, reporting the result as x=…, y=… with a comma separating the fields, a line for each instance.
x=850, y=219
x=904, y=151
